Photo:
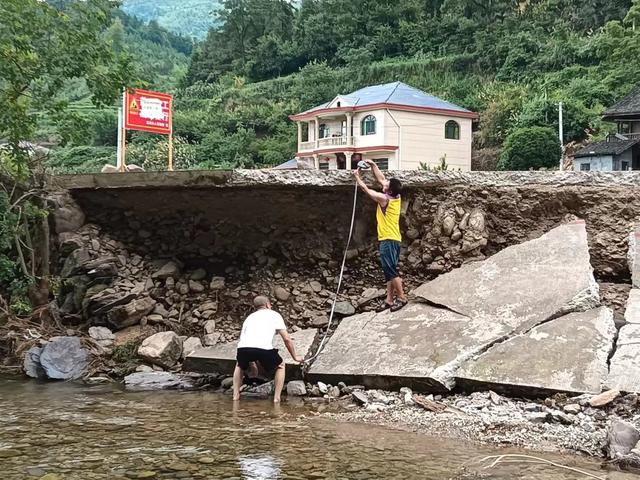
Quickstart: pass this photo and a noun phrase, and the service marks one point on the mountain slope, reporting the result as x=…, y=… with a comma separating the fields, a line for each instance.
x=191, y=18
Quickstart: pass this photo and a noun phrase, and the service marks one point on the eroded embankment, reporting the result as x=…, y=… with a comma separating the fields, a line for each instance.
x=231, y=235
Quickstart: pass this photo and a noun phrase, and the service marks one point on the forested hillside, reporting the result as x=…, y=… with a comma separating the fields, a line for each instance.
x=190, y=18
x=511, y=61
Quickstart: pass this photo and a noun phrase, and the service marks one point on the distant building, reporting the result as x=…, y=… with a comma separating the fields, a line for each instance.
x=620, y=151
x=396, y=125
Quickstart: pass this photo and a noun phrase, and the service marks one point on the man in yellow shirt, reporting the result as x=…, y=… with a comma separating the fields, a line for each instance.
x=388, y=220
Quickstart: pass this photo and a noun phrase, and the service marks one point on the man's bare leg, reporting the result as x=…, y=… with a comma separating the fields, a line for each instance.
x=279, y=383
x=397, y=288
x=237, y=382
x=390, y=293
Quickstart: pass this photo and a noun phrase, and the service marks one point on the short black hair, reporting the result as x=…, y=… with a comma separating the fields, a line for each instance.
x=395, y=187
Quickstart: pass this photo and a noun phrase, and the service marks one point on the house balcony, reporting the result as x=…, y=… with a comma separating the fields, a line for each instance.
x=328, y=142
x=629, y=136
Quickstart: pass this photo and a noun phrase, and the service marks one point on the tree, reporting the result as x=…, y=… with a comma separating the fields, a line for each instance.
x=530, y=148
x=42, y=47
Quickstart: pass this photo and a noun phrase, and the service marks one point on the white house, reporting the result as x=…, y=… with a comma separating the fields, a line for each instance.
x=394, y=124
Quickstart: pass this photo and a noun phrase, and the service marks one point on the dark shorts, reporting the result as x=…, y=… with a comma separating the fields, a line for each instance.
x=268, y=359
x=389, y=256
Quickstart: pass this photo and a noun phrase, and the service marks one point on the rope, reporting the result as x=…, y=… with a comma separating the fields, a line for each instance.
x=308, y=361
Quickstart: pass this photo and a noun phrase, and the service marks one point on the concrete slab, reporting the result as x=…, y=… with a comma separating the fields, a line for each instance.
x=568, y=354
x=633, y=256
x=221, y=358
x=624, y=370
x=632, y=312
x=522, y=285
x=420, y=347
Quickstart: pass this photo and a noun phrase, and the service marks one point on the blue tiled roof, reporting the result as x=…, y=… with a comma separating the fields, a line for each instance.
x=397, y=93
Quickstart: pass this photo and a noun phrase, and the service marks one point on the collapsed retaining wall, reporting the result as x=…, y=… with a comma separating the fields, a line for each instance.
x=186, y=251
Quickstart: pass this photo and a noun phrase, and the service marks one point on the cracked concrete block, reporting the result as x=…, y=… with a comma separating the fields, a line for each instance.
x=471, y=308
x=419, y=346
x=624, y=370
x=221, y=358
x=522, y=285
x=567, y=354
x=632, y=312
x=633, y=256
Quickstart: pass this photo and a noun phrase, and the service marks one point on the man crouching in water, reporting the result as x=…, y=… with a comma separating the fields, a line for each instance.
x=256, y=345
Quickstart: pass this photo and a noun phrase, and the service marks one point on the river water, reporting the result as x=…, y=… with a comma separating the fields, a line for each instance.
x=77, y=432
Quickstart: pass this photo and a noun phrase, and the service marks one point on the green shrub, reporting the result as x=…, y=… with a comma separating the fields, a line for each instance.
x=530, y=148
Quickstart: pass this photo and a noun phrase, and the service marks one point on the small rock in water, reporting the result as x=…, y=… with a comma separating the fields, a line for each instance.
x=323, y=388
x=334, y=392
x=296, y=388
x=227, y=383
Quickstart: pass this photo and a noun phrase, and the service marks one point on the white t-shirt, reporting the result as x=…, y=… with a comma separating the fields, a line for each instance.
x=259, y=328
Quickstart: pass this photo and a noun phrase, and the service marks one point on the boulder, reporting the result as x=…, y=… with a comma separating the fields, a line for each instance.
x=199, y=274
x=209, y=327
x=211, y=339
x=217, y=283
x=31, y=364
x=163, y=349
x=622, y=437
x=134, y=168
x=603, y=399
x=169, y=269
x=479, y=304
x=157, y=381
x=568, y=354
x=344, y=309
x=74, y=261
x=624, y=372
x=195, y=286
x=296, y=388
x=137, y=333
x=190, y=345
x=101, y=334
x=68, y=216
x=315, y=286
x=131, y=313
x=109, y=169
x=282, y=294
x=64, y=358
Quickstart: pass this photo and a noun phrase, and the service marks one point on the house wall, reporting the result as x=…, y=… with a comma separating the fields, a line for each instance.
x=381, y=136
x=598, y=163
x=422, y=140
x=623, y=157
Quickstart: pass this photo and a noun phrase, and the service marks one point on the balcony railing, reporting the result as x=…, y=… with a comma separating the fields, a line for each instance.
x=630, y=136
x=304, y=146
x=332, y=141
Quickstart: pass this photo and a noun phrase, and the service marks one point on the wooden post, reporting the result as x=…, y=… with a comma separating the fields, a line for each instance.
x=171, y=149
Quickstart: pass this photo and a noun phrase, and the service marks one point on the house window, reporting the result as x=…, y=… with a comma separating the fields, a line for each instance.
x=338, y=104
x=368, y=125
x=624, y=128
x=452, y=130
x=323, y=130
x=585, y=167
x=624, y=165
x=382, y=163
x=324, y=165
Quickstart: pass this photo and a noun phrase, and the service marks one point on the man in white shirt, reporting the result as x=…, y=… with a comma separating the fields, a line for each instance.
x=256, y=345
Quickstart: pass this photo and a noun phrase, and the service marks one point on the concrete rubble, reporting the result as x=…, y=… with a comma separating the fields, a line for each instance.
x=472, y=308
x=624, y=372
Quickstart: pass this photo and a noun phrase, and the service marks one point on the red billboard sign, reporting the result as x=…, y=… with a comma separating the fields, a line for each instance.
x=148, y=111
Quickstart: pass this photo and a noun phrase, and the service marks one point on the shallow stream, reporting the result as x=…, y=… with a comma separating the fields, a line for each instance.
x=102, y=432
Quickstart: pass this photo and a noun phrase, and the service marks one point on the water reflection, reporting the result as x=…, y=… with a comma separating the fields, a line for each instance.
x=259, y=467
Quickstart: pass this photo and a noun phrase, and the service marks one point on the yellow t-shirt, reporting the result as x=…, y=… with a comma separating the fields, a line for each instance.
x=388, y=220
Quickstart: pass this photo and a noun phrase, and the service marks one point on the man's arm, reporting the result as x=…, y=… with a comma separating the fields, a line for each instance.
x=376, y=172
x=377, y=197
x=289, y=344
